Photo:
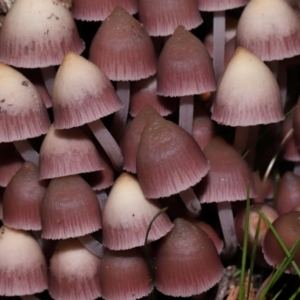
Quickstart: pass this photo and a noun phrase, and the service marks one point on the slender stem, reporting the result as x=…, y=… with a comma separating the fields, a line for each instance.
x=27, y=152
x=191, y=202
x=102, y=197
x=91, y=244
x=241, y=138
x=108, y=143
x=227, y=224
x=49, y=76
x=282, y=81
x=186, y=113
x=218, y=42
x=120, y=117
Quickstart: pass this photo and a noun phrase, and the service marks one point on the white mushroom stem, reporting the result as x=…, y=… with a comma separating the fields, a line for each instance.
x=49, y=76
x=218, y=42
x=27, y=152
x=186, y=113
x=241, y=138
x=227, y=224
x=191, y=202
x=102, y=197
x=91, y=244
x=120, y=116
x=108, y=143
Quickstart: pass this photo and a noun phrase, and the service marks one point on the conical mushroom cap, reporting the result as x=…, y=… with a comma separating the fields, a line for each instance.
x=81, y=97
x=95, y=10
x=179, y=257
x=287, y=226
x=270, y=29
x=131, y=138
x=127, y=215
x=22, y=199
x=37, y=34
x=228, y=171
x=122, y=48
x=161, y=17
x=67, y=152
x=22, y=111
x=10, y=162
x=124, y=275
x=247, y=93
x=74, y=272
x=184, y=66
x=23, y=267
x=217, y=5
x=169, y=160
x=70, y=209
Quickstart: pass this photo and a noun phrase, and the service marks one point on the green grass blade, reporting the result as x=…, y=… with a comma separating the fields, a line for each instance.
x=245, y=246
x=253, y=255
x=294, y=296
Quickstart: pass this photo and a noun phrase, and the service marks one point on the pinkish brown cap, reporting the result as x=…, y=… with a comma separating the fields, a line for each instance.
x=81, y=97
x=184, y=66
x=38, y=34
x=290, y=151
x=131, y=138
x=144, y=92
x=67, y=152
x=95, y=10
x=287, y=226
x=124, y=275
x=179, y=257
x=247, y=93
x=70, y=209
x=23, y=267
x=127, y=215
x=161, y=17
x=169, y=160
x=74, y=272
x=288, y=193
x=228, y=171
x=10, y=162
x=22, y=112
x=218, y=5
x=22, y=199
x=122, y=48
x=274, y=36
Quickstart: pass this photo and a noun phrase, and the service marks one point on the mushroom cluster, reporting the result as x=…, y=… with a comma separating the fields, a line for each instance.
x=132, y=132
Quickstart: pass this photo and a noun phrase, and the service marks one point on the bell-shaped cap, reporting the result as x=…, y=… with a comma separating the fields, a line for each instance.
x=287, y=227
x=288, y=193
x=22, y=111
x=37, y=34
x=81, y=97
x=95, y=10
x=169, y=160
x=74, y=272
x=179, y=257
x=219, y=5
x=184, y=66
x=22, y=199
x=10, y=163
x=124, y=275
x=131, y=138
x=23, y=267
x=144, y=92
x=228, y=171
x=247, y=93
x=161, y=17
x=122, y=48
x=127, y=215
x=270, y=29
x=70, y=209
x=67, y=152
